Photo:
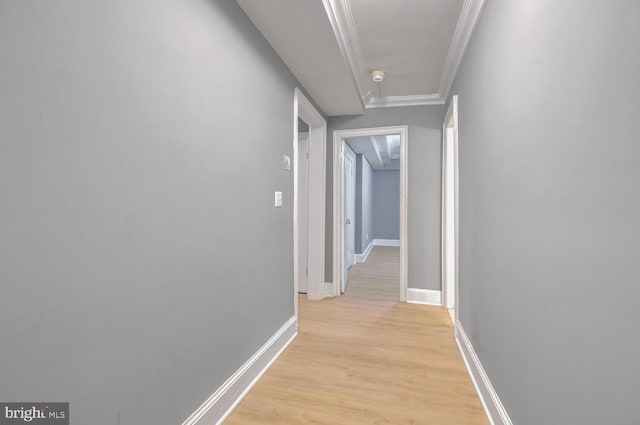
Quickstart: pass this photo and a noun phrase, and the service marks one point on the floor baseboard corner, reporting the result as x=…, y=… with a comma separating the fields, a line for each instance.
x=361, y=258
x=222, y=403
x=493, y=407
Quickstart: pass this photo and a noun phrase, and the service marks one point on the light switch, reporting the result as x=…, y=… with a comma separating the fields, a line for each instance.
x=287, y=163
x=278, y=199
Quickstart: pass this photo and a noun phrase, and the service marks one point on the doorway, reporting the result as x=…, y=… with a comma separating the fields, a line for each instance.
x=349, y=213
x=308, y=200
x=343, y=217
x=302, y=206
x=450, y=209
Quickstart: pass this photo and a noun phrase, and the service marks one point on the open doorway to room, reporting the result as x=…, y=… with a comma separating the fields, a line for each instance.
x=302, y=205
x=370, y=200
x=309, y=175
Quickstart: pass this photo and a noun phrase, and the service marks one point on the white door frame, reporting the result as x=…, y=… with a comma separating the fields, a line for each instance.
x=338, y=200
x=302, y=207
x=304, y=109
x=352, y=155
x=451, y=295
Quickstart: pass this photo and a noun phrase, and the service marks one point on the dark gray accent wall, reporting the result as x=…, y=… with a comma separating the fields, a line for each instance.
x=141, y=259
x=364, y=200
x=550, y=206
x=424, y=156
x=386, y=204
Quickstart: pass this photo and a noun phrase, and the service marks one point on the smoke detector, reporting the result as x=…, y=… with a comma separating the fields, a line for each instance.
x=377, y=75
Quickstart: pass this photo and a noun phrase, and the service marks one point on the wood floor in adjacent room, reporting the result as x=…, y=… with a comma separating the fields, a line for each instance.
x=365, y=358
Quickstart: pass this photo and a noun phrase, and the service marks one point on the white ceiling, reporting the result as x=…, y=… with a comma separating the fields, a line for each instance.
x=332, y=46
x=294, y=28
x=382, y=152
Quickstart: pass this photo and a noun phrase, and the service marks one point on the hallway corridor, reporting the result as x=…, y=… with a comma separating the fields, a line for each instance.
x=365, y=359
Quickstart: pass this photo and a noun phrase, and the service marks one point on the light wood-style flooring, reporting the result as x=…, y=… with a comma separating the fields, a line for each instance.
x=365, y=358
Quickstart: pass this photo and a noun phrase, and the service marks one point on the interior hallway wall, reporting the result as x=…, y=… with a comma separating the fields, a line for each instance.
x=386, y=204
x=364, y=202
x=133, y=193
x=424, y=169
x=550, y=206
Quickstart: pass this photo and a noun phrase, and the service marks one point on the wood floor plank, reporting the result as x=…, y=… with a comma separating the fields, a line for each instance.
x=365, y=358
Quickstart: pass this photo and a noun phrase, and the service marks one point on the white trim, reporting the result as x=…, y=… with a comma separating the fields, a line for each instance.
x=404, y=204
x=304, y=109
x=361, y=258
x=386, y=242
x=396, y=101
x=344, y=29
x=424, y=296
x=338, y=201
x=451, y=294
x=220, y=405
x=493, y=407
x=328, y=289
x=471, y=11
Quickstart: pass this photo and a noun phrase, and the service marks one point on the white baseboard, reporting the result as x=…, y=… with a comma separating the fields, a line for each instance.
x=220, y=405
x=328, y=289
x=424, y=296
x=361, y=258
x=386, y=242
x=493, y=407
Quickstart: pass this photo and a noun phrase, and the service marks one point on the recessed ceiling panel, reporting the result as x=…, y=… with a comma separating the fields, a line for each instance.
x=332, y=46
x=408, y=39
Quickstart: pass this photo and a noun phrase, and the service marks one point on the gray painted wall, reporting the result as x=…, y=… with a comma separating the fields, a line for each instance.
x=424, y=156
x=130, y=188
x=549, y=207
x=364, y=200
x=302, y=126
x=386, y=204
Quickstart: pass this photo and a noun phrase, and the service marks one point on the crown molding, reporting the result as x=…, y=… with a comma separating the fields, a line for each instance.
x=471, y=11
x=344, y=29
x=396, y=101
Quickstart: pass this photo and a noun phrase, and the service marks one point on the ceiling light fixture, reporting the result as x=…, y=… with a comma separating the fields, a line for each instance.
x=377, y=75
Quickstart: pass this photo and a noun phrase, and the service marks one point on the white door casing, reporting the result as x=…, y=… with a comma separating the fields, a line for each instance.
x=450, y=208
x=303, y=109
x=338, y=201
x=349, y=213
x=303, y=211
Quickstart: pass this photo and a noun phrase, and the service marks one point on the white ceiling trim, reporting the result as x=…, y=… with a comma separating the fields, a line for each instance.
x=377, y=151
x=339, y=12
x=341, y=19
x=395, y=101
x=471, y=10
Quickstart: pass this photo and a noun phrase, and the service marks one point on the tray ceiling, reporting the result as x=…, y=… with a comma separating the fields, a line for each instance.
x=331, y=46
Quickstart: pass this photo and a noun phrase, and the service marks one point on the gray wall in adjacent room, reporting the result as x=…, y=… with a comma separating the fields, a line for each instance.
x=424, y=169
x=364, y=200
x=550, y=207
x=133, y=193
x=386, y=204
